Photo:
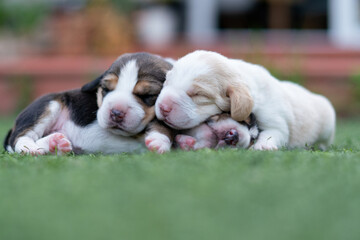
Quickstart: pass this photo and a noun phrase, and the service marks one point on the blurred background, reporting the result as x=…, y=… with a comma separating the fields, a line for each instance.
x=55, y=45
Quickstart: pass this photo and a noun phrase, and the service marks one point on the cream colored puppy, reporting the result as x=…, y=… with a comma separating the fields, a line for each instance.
x=203, y=83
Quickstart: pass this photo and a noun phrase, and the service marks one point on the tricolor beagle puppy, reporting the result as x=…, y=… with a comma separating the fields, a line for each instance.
x=112, y=114
x=202, y=84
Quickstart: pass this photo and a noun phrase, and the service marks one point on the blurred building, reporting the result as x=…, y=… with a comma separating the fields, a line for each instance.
x=54, y=45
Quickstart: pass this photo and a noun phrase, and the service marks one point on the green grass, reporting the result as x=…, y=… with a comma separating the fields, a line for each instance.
x=229, y=194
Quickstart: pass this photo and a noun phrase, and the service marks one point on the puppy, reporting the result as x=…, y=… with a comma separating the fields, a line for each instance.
x=203, y=84
x=219, y=131
x=108, y=115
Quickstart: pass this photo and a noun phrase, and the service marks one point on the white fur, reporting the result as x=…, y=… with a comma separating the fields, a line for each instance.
x=93, y=138
x=158, y=142
x=288, y=114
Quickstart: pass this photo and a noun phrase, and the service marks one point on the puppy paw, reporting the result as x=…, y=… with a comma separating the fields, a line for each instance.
x=185, y=142
x=28, y=147
x=34, y=151
x=158, y=142
x=267, y=146
x=58, y=142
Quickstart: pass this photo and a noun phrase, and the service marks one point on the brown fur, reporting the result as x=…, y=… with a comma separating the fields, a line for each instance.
x=161, y=128
x=109, y=81
x=241, y=103
x=145, y=87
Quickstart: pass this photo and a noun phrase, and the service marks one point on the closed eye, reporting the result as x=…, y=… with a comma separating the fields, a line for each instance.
x=201, y=99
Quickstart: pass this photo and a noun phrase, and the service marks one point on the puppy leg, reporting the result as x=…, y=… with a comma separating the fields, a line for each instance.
x=55, y=143
x=275, y=130
x=197, y=138
x=205, y=137
x=158, y=137
x=27, y=145
x=269, y=140
x=185, y=142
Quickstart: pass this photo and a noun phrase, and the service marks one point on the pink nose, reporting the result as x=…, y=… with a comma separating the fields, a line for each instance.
x=165, y=109
x=117, y=115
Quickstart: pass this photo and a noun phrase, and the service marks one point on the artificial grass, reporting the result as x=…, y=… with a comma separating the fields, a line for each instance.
x=227, y=194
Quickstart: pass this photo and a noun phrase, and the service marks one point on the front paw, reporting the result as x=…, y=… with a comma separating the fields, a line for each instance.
x=265, y=145
x=158, y=142
x=59, y=144
x=185, y=142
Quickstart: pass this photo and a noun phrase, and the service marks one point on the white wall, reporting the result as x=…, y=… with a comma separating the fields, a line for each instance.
x=344, y=23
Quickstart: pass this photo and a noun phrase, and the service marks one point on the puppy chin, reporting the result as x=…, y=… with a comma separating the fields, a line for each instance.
x=118, y=131
x=129, y=127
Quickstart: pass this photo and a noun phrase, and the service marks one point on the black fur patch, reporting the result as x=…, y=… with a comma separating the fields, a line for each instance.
x=82, y=106
x=93, y=85
x=6, y=141
x=253, y=122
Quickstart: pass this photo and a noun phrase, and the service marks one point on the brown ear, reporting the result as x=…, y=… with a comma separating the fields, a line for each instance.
x=241, y=102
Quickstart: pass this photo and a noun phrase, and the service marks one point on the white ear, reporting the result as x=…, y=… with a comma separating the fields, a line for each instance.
x=241, y=102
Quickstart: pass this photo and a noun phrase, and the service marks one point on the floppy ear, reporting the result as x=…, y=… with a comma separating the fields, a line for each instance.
x=241, y=102
x=92, y=86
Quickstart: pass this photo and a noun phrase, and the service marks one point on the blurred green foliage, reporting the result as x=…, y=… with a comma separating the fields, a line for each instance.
x=22, y=18
x=355, y=82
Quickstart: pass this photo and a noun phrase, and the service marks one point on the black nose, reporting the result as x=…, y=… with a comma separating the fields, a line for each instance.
x=116, y=115
x=231, y=137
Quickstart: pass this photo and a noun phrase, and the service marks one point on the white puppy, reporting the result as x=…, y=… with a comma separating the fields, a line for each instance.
x=204, y=83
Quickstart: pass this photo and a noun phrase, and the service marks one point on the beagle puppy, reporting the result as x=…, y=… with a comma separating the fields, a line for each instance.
x=112, y=114
x=203, y=83
x=219, y=131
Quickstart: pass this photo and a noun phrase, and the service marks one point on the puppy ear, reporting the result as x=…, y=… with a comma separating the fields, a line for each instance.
x=92, y=86
x=241, y=102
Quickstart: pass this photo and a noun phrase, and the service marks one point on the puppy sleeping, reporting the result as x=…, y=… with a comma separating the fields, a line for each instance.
x=219, y=131
x=203, y=84
x=108, y=115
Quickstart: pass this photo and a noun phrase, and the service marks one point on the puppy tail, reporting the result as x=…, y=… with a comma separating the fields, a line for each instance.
x=7, y=139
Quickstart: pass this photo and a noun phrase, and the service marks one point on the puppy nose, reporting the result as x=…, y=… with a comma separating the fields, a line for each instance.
x=231, y=137
x=165, y=109
x=116, y=115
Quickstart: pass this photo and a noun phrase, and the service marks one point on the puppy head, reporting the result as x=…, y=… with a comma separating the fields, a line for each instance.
x=127, y=91
x=229, y=132
x=200, y=85
x=232, y=133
